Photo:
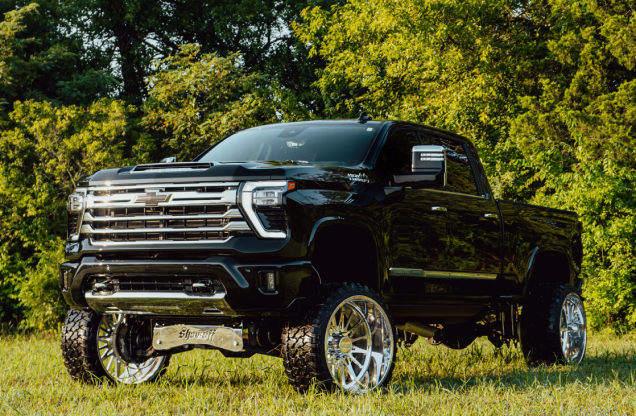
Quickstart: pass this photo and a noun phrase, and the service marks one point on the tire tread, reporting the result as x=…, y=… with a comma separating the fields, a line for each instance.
x=302, y=349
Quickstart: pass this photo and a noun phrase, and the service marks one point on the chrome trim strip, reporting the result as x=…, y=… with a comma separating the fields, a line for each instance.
x=232, y=226
x=233, y=213
x=396, y=271
x=174, y=199
x=435, y=274
x=248, y=207
x=156, y=242
x=453, y=193
x=145, y=296
x=163, y=185
x=476, y=276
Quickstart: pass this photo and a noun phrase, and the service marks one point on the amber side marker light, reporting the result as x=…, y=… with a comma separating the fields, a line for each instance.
x=291, y=186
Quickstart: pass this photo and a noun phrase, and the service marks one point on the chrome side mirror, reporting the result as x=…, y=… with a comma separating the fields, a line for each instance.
x=428, y=168
x=170, y=159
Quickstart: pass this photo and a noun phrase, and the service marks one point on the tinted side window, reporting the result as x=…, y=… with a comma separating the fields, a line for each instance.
x=396, y=154
x=459, y=174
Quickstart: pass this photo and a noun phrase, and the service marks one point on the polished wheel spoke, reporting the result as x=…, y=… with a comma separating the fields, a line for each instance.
x=354, y=367
x=356, y=350
x=573, y=329
x=356, y=361
x=113, y=363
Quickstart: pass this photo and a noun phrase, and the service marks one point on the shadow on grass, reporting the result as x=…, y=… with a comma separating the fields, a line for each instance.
x=604, y=368
x=206, y=373
x=459, y=371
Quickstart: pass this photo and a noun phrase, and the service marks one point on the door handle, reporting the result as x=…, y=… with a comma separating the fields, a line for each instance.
x=439, y=209
x=490, y=215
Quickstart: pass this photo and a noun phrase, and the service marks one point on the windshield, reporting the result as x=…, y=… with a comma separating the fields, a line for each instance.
x=332, y=145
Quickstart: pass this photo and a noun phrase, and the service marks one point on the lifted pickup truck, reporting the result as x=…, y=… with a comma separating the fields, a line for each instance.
x=326, y=243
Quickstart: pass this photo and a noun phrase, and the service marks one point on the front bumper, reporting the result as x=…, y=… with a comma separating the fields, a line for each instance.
x=243, y=293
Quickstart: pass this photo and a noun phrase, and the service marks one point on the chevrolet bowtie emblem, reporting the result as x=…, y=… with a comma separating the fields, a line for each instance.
x=151, y=198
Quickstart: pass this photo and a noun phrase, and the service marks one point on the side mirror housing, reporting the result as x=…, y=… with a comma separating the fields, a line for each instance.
x=171, y=159
x=428, y=169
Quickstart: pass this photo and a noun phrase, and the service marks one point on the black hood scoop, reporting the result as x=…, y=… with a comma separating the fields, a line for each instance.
x=171, y=167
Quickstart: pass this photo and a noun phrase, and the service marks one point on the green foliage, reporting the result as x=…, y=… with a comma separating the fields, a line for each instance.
x=130, y=35
x=41, y=159
x=39, y=61
x=38, y=291
x=197, y=99
x=545, y=89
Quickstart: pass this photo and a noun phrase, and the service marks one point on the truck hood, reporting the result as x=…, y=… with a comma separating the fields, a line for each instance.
x=225, y=172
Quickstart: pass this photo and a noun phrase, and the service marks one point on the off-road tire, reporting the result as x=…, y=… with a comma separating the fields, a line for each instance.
x=303, y=338
x=540, y=324
x=79, y=348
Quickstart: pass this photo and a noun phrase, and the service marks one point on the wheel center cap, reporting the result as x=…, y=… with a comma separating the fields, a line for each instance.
x=345, y=345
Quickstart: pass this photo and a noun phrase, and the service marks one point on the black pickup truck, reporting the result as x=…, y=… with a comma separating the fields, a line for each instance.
x=326, y=243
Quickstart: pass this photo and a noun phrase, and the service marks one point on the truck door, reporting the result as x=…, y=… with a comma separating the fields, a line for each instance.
x=474, y=249
x=418, y=225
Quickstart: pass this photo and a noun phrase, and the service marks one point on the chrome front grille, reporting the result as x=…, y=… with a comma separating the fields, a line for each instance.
x=163, y=214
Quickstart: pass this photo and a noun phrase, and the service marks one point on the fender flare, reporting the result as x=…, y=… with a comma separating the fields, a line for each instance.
x=539, y=249
x=325, y=222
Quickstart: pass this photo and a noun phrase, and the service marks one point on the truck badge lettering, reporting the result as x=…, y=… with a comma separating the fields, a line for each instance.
x=188, y=334
x=359, y=177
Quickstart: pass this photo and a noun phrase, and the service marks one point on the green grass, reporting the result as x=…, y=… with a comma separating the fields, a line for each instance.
x=428, y=380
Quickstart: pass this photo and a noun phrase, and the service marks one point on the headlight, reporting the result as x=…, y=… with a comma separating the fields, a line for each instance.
x=266, y=194
x=269, y=197
x=75, y=203
x=75, y=207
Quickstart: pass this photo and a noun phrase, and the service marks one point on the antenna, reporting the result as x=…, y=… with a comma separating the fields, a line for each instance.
x=364, y=117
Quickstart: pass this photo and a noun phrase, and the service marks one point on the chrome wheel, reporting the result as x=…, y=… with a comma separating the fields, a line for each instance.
x=117, y=367
x=359, y=345
x=573, y=329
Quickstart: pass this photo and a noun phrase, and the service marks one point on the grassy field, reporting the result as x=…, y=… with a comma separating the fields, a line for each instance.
x=428, y=380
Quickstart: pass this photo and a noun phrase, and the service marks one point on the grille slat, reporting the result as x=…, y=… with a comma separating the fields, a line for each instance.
x=163, y=213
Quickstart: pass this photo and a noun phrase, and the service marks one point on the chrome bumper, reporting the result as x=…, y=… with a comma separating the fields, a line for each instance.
x=158, y=303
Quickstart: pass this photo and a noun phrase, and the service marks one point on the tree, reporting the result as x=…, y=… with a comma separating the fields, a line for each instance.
x=37, y=60
x=41, y=159
x=132, y=34
x=197, y=99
